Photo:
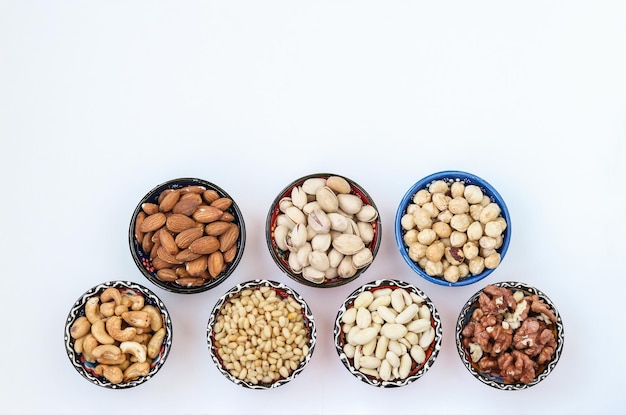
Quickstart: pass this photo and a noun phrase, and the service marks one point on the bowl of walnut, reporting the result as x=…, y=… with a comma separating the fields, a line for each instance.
x=118, y=334
x=452, y=228
x=509, y=335
x=187, y=235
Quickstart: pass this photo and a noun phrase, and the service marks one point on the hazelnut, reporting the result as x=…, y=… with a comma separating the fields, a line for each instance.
x=460, y=222
x=407, y=222
x=475, y=231
x=434, y=268
x=457, y=189
x=452, y=273
x=442, y=229
x=422, y=218
x=454, y=255
x=470, y=250
x=417, y=251
x=410, y=237
x=438, y=186
x=473, y=194
x=435, y=251
x=421, y=197
x=487, y=242
x=458, y=239
x=458, y=205
x=492, y=260
x=445, y=216
x=477, y=265
x=440, y=200
x=489, y=213
x=428, y=236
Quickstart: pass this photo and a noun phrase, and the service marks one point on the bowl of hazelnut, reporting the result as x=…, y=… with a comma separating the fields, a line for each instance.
x=509, y=335
x=388, y=333
x=187, y=235
x=452, y=228
x=118, y=334
x=323, y=230
x=275, y=334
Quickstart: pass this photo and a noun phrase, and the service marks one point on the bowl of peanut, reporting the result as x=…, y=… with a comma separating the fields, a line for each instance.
x=388, y=333
x=509, y=335
x=452, y=228
x=187, y=235
x=261, y=334
x=118, y=334
x=323, y=230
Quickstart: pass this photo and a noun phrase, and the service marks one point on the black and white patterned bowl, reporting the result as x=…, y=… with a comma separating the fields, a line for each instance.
x=417, y=370
x=142, y=259
x=88, y=369
x=233, y=295
x=493, y=378
x=281, y=257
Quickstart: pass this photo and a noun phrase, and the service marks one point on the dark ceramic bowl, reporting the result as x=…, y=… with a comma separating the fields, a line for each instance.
x=294, y=350
x=85, y=365
x=282, y=256
x=346, y=345
x=451, y=177
x=145, y=259
x=522, y=344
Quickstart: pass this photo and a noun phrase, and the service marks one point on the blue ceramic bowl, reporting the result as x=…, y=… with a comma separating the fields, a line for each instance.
x=450, y=177
x=309, y=337
x=84, y=365
x=493, y=377
x=281, y=257
x=143, y=260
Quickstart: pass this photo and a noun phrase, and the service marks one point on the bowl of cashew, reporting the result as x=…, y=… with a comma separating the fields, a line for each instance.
x=118, y=334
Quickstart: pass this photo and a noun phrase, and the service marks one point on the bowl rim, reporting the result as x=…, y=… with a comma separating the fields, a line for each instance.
x=468, y=178
x=434, y=348
x=78, y=309
x=274, y=211
x=254, y=284
x=494, y=381
x=135, y=248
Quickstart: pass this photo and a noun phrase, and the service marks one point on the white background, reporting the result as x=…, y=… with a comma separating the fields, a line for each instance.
x=101, y=101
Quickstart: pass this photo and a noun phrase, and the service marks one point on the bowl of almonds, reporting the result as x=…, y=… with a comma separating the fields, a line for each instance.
x=509, y=335
x=388, y=333
x=261, y=334
x=187, y=235
x=118, y=334
x=323, y=230
x=452, y=228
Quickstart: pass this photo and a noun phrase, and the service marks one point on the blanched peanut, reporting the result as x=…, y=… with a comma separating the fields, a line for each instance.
x=391, y=349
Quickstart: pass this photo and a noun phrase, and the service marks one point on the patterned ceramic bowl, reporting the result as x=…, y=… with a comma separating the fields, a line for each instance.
x=509, y=335
x=113, y=367
x=280, y=332
x=345, y=209
x=192, y=260
x=388, y=333
x=430, y=265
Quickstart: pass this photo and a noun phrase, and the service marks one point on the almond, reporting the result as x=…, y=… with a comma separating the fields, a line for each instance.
x=187, y=204
x=167, y=274
x=210, y=195
x=190, y=282
x=167, y=257
x=152, y=222
x=197, y=189
x=222, y=203
x=207, y=214
x=186, y=237
x=178, y=223
x=204, y=245
x=138, y=233
x=150, y=208
x=216, y=263
x=181, y=271
x=216, y=228
x=167, y=241
x=197, y=266
x=168, y=202
x=229, y=255
x=228, y=238
x=160, y=264
x=147, y=244
x=227, y=217
x=187, y=255
x=163, y=194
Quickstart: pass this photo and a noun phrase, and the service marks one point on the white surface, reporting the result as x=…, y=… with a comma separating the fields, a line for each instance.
x=101, y=101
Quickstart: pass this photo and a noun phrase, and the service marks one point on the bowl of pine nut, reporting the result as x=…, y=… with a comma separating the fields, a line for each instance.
x=261, y=334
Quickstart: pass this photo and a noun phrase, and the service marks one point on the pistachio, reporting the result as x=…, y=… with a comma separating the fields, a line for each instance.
x=349, y=203
x=327, y=199
x=348, y=244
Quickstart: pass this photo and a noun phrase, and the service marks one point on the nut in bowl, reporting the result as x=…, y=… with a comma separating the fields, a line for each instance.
x=452, y=228
x=323, y=230
x=187, y=235
x=388, y=333
x=118, y=334
x=261, y=334
x=509, y=335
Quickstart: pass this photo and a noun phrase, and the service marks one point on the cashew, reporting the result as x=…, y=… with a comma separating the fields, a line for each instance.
x=111, y=294
x=107, y=309
x=109, y=354
x=154, y=346
x=136, y=301
x=78, y=344
x=139, y=319
x=112, y=373
x=89, y=343
x=80, y=327
x=114, y=328
x=156, y=320
x=120, y=309
x=99, y=332
x=91, y=310
x=135, y=349
x=136, y=370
